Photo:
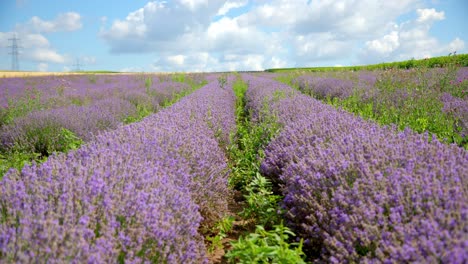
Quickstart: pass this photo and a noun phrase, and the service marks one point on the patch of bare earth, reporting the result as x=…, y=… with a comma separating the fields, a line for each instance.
x=240, y=227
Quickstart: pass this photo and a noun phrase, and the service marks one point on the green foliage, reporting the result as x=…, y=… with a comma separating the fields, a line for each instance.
x=15, y=159
x=261, y=203
x=92, y=78
x=436, y=62
x=145, y=109
x=142, y=112
x=246, y=152
x=148, y=84
x=42, y=142
x=69, y=141
x=31, y=101
x=421, y=109
x=222, y=81
x=267, y=247
x=77, y=100
x=221, y=229
x=179, y=77
x=60, y=90
x=45, y=142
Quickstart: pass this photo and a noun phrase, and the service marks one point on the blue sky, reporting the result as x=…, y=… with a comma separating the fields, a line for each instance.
x=212, y=35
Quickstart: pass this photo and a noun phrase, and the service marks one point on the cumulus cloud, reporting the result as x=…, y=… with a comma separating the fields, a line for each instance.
x=204, y=61
x=429, y=15
x=154, y=25
x=70, y=21
x=33, y=40
x=310, y=48
x=47, y=55
x=231, y=5
x=35, y=47
x=384, y=45
x=177, y=60
x=410, y=39
x=275, y=33
x=346, y=18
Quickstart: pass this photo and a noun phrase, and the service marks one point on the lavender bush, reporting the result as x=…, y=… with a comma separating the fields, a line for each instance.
x=29, y=132
x=458, y=109
x=57, y=113
x=358, y=192
x=407, y=98
x=135, y=194
x=59, y=91
x=323, y=88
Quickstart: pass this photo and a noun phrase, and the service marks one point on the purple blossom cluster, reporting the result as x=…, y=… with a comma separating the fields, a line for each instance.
x=376, y=84
x=137, y=194
x=58, y=91
x=462, y=75
x=82, y=106
x=358, y=192
x=458, y=108
x=83, y=121
x=324, y=87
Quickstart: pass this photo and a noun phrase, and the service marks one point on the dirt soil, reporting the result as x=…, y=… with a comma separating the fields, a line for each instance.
x=240, y=227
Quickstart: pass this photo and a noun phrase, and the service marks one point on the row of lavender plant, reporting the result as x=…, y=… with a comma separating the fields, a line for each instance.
x=58, y=91
x=135, y=194
x=421, y=99
x=359, y=192
x=62, y=112
x=20, y=96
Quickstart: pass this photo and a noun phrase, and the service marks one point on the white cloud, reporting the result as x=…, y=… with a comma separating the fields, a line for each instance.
x=47, y=55
x=311, y=48
x=275, y=33
x=34, y=40
x=177, y=60
x=346, y=18
x=194, y=4
x=70, y=21
x=36, y=47
x=194, y=62
x=227, y=35
x=203, y=61
x=160, y=23
x=277, y=63
x=429, y=15
x=42, y=67
x=456, y=45
x=411, y=39
x=229, y=5
x=384, y=45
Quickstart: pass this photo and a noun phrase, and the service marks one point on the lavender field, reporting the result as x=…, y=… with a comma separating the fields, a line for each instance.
x=330, y=167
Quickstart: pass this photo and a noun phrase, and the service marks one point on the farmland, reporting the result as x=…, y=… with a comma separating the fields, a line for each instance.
x=288, y=166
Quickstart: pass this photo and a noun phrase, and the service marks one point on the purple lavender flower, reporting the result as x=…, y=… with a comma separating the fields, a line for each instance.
x=358, y=192
x=138, y=193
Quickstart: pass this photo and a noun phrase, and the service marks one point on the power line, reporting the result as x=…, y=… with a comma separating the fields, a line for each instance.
x=14, y=53
x=77, y=65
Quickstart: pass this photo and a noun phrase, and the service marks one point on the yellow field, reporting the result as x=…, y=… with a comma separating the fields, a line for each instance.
x=10, y=74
